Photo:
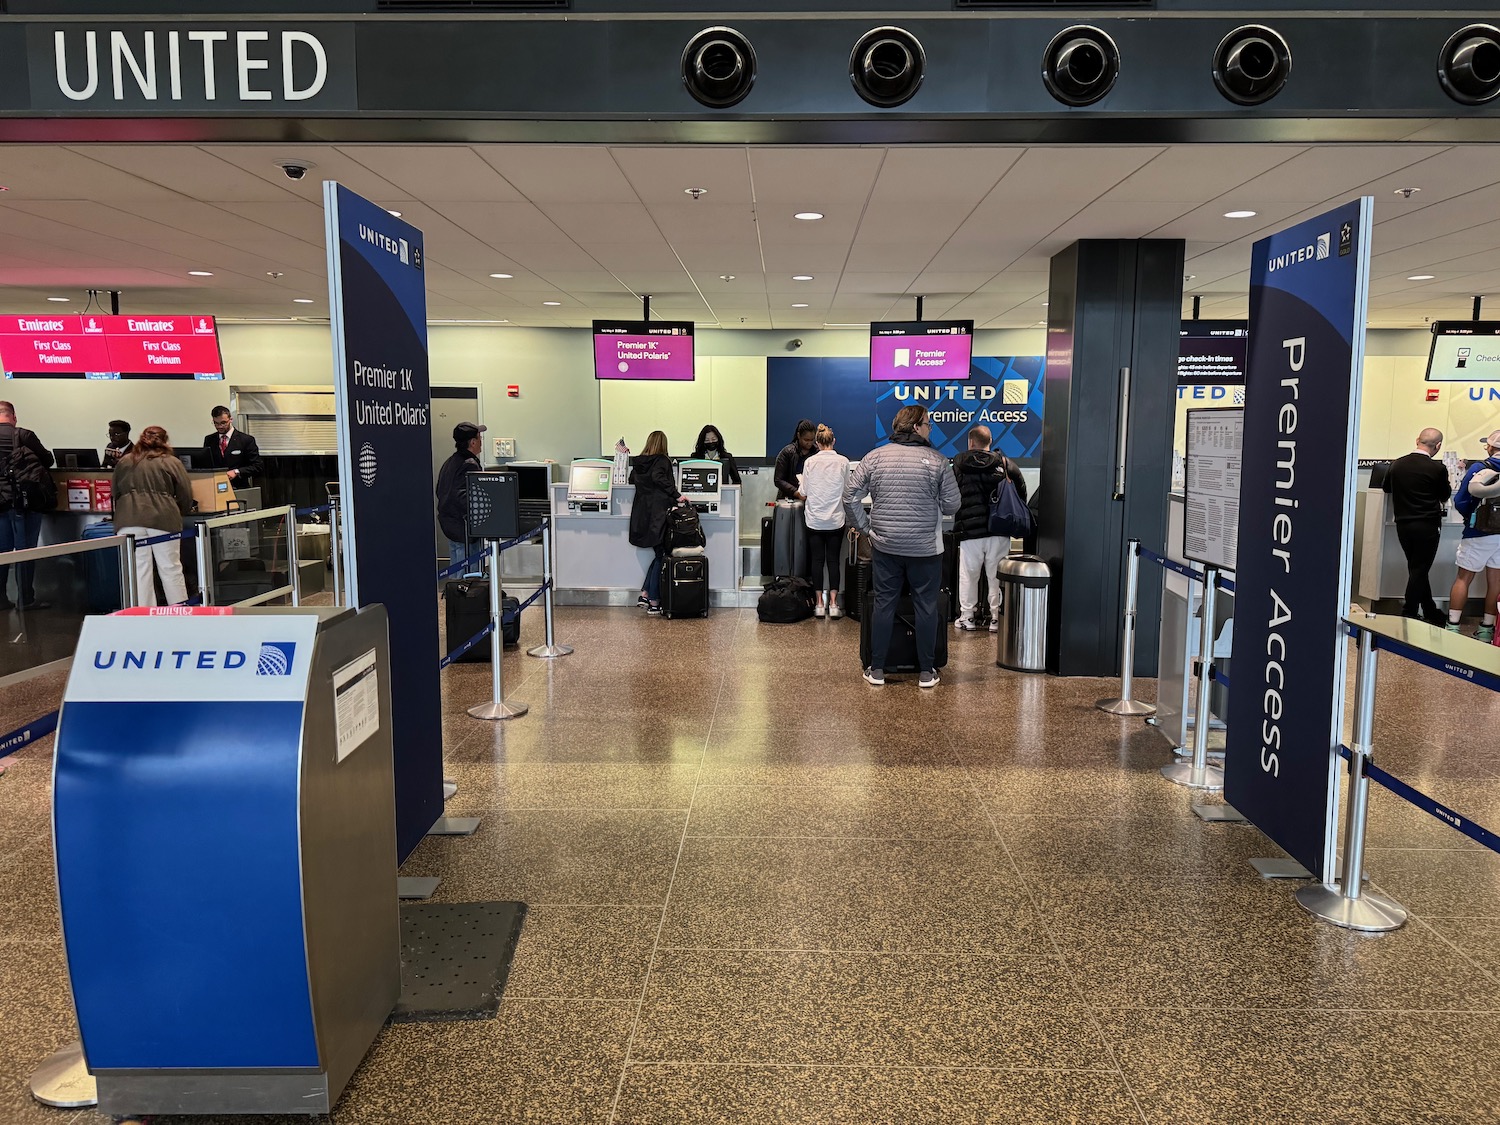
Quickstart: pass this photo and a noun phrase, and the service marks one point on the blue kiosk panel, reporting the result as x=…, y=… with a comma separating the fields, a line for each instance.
x=177, y=834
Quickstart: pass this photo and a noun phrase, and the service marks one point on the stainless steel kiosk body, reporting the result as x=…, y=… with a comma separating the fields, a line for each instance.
x=224, y=816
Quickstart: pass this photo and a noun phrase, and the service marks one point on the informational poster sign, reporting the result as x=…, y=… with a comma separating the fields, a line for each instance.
x=1309, y=288
x=1211, y=523
x=378, y=301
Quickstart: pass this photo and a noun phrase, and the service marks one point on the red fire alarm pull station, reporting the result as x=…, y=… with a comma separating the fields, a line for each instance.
x=513, y=390
x=1432, y=394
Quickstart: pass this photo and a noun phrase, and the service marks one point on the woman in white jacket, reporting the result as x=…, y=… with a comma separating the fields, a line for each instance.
x=823, y=479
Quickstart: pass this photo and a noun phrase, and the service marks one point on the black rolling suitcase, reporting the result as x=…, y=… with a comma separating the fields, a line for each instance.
x=856, y=575
x=767, y=547
x=901, y=656
x=684, y=586
x=466, y=610
x=790, y=534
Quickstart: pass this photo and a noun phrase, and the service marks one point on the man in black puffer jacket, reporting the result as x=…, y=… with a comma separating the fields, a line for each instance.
x=978, y=471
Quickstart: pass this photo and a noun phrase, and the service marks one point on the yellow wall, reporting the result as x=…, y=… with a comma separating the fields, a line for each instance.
x=728, y=392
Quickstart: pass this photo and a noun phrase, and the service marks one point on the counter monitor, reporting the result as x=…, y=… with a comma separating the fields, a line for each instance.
x=589, y=485
x=700, y=482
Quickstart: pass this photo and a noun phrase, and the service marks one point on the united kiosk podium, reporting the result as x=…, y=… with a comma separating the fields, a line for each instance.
x=224, y=815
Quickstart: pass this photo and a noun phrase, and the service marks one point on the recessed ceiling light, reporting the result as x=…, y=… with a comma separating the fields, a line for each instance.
x=302, y=300
x=799, y=305
x=551, y=302
x=503, y=276
x=1239, y=214
x=59, y=298
x=1422, y=277
x=802, y=277
x=390, y=212
x=726, y=277
x=808, y=216
x=695, y=192
x=199, y=273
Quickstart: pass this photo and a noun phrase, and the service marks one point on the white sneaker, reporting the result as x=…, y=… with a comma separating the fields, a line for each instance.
x=819, y=611
x=994, y=626
x=965, y=625
x=835, y=611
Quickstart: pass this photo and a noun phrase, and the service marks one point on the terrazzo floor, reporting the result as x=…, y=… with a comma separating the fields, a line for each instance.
x=762, y=891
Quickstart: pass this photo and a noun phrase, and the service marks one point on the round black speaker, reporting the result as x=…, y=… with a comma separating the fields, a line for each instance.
x=1252, y=64
x=887, y=66
x=1469, y=64
x=1080, y=65
x=718, y=67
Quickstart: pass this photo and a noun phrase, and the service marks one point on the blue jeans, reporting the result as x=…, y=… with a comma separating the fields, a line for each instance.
x=458, y=550
x=18, y=531
x=888, y=573
x=653, y=575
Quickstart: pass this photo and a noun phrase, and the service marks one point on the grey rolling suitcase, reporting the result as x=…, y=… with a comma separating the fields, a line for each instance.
x=790, y=535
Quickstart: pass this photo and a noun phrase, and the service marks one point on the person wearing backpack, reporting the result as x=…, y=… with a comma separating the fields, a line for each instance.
x=1477, y=499
x=823, y=477
x=979, y=472
x=152, y=494
x=26, y=491
x=655, y=495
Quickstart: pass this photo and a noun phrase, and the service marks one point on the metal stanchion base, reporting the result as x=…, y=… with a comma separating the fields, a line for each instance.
x=449, y=789
x=1210, y=778
x=1125, y=707
x=416, y=886
x=1280, y=868
x=1220, y=814
x=1370, y=912
x=63, y=1080
x=499, y=710
x=454, y=826
x=548, y=652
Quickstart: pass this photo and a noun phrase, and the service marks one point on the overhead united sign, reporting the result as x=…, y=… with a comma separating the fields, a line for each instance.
x=181, y=67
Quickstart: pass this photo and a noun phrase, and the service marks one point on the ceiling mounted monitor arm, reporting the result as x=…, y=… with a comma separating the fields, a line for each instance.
x=919, y=307
x=645, y=306
x=1478, y=303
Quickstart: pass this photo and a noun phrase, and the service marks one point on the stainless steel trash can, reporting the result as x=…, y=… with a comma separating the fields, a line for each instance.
x=1024, y=582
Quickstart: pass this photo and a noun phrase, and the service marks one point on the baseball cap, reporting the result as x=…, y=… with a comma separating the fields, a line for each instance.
x=1493, y=439
x=467, y=431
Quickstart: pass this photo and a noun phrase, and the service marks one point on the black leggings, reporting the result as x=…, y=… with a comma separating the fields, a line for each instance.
x=823, y=548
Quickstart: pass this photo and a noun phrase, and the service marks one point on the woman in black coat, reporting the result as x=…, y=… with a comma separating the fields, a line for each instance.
x=710, y=447
x=655, y=494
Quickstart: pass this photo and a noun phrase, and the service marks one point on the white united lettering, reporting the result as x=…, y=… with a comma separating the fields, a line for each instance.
x=137, y=58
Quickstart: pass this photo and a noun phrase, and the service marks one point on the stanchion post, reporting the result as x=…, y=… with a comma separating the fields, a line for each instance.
x=551, y=649
x=130, y=592
x=335, y=549
x=1197, y=773
x=1126, y=704
x=291, y=554
x=496, y=708
x=205, y=566
x=1348, y=904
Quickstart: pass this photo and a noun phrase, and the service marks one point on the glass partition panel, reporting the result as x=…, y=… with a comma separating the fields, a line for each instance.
x=65, y=589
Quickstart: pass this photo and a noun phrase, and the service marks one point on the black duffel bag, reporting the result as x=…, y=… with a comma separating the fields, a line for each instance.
x=785, y=601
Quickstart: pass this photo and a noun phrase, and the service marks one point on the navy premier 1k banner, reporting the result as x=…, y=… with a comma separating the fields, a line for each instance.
x=378, y=304
x=1308, y=291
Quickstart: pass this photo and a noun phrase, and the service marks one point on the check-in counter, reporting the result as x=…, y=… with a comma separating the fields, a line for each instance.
x=595, y=564
x=1382, y=563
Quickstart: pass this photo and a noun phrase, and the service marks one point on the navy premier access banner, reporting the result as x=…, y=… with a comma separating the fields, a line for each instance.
x=378, y=303
x=1309, y=287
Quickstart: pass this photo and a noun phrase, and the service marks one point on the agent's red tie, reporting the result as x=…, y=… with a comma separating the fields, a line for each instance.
x=223, y=447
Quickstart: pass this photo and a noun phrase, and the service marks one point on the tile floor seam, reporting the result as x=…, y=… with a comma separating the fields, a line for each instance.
x=1489, y=974
x=942, y=1067
x=666, y=905
x=1046, y=929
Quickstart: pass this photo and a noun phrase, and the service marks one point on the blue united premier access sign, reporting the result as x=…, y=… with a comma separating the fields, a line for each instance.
x=1309, y=288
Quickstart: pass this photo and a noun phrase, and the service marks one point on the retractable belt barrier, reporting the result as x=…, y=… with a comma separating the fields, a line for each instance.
x=1347, y=903
x=1169, y=564
x=498, y=708
x=24, y=736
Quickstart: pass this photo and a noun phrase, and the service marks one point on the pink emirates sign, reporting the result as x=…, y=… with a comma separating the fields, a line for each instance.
x=921, y=351
x=659, y=350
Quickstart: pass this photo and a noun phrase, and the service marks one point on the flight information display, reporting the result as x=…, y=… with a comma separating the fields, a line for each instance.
x=42, y=346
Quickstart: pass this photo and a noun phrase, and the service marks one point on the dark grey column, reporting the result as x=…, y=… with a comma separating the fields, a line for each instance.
x=1114, y=304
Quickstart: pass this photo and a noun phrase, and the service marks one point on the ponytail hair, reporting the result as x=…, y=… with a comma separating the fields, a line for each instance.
x=825, y=437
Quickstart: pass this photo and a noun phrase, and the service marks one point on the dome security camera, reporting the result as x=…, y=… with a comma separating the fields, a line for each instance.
x=295, y=169
x=793, y=344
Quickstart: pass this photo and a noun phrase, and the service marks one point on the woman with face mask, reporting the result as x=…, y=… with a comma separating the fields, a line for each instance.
x=710, y=447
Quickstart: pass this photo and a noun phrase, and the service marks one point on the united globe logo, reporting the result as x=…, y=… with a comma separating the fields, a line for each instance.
x=367, y=464
x=275, y=658
x=480, y=506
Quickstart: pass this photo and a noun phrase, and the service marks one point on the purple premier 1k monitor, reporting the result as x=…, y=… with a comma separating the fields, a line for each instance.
x=643, y=349
x=921, y=350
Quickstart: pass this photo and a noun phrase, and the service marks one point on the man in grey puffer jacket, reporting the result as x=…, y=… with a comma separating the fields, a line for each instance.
x=911, y=489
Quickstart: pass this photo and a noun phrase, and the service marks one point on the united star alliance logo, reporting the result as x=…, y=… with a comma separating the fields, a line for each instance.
x=275, y=658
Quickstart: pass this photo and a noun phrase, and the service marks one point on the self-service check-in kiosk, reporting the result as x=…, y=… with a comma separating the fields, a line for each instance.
x=590, y=481
x=224, y=818
x=700, y=482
